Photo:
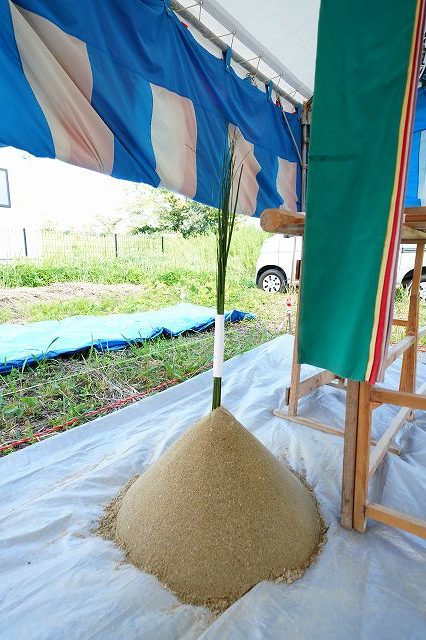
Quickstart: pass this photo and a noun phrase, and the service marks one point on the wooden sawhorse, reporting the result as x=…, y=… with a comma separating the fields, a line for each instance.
x=359, y=462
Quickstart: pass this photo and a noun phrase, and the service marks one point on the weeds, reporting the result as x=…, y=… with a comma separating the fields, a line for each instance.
x=56, y=391
x=181, y=257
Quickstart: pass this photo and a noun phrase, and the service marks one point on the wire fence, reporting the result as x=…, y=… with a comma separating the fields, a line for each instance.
x=41, y=245
x=64, y=256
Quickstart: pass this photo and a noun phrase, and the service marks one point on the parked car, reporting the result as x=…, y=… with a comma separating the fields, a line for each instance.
x=278, y=265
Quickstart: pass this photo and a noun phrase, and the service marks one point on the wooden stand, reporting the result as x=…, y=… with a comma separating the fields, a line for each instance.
x=359, y=461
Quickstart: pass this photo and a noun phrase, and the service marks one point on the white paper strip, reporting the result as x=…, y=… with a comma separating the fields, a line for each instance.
x=219, y=345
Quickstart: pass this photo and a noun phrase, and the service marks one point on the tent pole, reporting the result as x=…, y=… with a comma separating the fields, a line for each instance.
x=306, y=114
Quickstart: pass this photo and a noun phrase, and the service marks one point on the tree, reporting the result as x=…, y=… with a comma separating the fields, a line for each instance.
x=142, y=209
x=181, y=215
x=154, y=210
x=107, y=223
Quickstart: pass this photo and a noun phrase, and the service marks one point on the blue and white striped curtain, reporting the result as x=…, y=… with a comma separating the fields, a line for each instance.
x=123, y=88
x=416, y=180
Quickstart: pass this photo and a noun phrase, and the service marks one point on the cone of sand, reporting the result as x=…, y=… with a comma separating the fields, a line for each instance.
x=218, y=513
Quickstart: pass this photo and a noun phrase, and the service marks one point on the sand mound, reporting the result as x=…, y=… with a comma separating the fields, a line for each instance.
x=217, y=513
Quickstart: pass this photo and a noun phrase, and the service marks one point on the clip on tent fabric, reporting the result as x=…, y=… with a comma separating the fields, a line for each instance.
x=227, y=55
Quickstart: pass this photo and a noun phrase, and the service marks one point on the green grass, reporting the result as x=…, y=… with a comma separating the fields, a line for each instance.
x=153, y=296
x=59, y=390
x=401, y=311
x=56, y=391
x=137, y=266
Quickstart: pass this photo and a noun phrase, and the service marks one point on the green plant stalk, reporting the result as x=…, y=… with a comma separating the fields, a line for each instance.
x=225, y=225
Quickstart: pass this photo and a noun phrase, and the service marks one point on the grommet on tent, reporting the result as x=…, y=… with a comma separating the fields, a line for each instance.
x=268, y=86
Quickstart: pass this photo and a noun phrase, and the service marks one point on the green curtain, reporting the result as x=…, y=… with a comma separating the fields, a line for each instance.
x=362, y=79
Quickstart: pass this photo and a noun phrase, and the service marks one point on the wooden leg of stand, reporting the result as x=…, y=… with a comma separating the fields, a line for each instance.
x=295, y=369
x=295, y=378
x=349, y=453
x=408, y=369
x=362, y=460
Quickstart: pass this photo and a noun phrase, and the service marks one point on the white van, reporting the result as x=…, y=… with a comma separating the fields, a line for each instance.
x=278, y=264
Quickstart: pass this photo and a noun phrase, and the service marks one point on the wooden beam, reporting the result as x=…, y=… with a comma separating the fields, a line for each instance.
x=379, y=451
x=399, y=323
x=279, y=220
x=415, y=217
x=411, y=235
x=399, y=398
x=308, y=385
x=309, y=422
x=293, y=397
x=362, y=460
x=397, y=519
x=398, y=349
x=321, y=426
x=315, y=382
x=349, y=454
x=382, y=446
x=415, y=213
x=337, y=384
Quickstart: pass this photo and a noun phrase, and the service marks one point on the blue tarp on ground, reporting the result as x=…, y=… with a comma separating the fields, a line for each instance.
x=23, y=344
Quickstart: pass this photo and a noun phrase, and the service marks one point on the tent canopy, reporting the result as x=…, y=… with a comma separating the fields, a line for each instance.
x=283, y=33
x=130, y=92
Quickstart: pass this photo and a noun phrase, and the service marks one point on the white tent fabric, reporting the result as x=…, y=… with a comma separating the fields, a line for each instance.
x=61, y=581
x=283, y=29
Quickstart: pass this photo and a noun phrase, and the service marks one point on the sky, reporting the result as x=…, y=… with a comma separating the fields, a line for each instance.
x=44, y=190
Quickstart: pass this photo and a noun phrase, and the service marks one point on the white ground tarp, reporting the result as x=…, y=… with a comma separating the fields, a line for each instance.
x=60, y=581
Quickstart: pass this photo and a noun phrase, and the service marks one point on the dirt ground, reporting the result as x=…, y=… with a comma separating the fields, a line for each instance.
x=63, y=291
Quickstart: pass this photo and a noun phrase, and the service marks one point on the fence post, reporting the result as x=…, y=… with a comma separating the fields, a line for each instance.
x=162, y=244
x=25, y=242
x=116, y=245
